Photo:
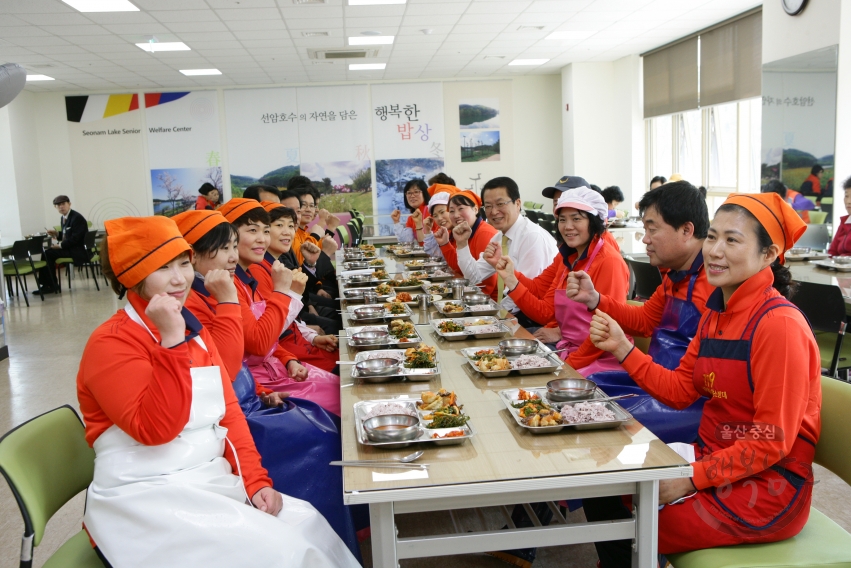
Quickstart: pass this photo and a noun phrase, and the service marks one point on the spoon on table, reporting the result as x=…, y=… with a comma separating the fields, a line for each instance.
x=406, y=461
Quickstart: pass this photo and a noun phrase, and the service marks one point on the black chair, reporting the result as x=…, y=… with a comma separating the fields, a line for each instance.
x=815, y=237
x=532, y=215
x=824, y=306
x=18, y=266
x=93, y=261
x=647, y=278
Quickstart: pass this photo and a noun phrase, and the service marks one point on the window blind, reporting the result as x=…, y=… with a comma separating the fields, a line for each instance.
x=671, y=79
x=731, y=61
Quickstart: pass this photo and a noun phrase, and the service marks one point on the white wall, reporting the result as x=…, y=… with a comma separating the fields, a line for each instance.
x=22, y=126
x=843, y=113
x=532, y=155
x=10, y=219
x=784, y=36
x=603, y=127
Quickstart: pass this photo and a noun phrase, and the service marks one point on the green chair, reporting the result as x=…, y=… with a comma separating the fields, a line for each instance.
x=812, y=198
x=343, y=234
x=821, y=542
x=818, y=217
x=19, y=265
x=46, y=462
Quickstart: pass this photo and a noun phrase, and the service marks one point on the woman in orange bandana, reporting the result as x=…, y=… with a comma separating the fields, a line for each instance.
x=168, y=432
x=757, y=362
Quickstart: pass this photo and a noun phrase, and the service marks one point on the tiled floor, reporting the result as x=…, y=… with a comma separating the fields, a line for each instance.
x=45, y=341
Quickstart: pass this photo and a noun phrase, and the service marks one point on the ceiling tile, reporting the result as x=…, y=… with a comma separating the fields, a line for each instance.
x=35, y=7
x=171, y=5
x=248, y=25
x=512, y=7
x=137, y=29
x=210, y=44
x=312, y=24
x=56, y=19
x=392, y=22
x=211, y=27
x=375, y=11
x=311, y=12
x=169, y=16
x=463, y=29
x=224, y=4
x=90, y=29
x=249, y=14
x=120, y=17
x=36, y=43
x=95, y=40
x=554, y=6
x=430, y=21
x=7, y=32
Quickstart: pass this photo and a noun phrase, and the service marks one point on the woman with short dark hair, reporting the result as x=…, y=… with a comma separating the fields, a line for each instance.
x=416, y=198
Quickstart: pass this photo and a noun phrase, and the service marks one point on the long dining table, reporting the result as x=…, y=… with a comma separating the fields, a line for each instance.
x=501, y=465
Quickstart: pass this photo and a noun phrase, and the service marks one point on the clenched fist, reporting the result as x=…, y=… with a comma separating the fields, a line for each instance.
x=299, y=282
x=297, y=371
x=220, y=284
x=396, y=215
x=164, y=311
x=282, y=277
x=462, y=233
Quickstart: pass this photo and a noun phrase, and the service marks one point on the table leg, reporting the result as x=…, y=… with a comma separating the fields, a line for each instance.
x=383, y=530
x=646, y=525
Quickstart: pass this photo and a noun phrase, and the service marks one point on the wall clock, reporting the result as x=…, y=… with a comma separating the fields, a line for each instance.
x=794, y=7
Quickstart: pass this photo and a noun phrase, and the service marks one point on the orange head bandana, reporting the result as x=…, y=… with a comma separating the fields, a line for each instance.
x=140, y=245
x=270, y=205
x=195, y=224
x=443, y=188
x=779, y=220
x=471, y=195
x=237, y=207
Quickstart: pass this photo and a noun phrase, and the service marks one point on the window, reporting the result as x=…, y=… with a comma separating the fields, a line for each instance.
x=717, y=147
x=723, y=146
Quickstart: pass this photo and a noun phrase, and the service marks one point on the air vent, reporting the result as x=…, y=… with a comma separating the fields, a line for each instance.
x=308, y=1
x=323, y=62
x=341, y=53
x=494, y=57
x=314, y=34
x=530, y=28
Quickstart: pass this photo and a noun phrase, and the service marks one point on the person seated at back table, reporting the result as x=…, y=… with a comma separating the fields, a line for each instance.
x=262, y=192
x=756, y=360
x=326, y=222
x=795, y=200
x=532, y=247
x=614, y=197
x=675, y=223
x=71, y=236
x=841, y=244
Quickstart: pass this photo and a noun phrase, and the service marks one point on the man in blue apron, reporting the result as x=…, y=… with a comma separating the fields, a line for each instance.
x=675, y=224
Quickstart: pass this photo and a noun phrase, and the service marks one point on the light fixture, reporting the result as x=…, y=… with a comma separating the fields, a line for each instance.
x=528, y=61
x=366, y=66
x=190, y=72
x=102, y=5
x=372, y=40
x=371, y=2
x=39, y=78
x=156, y=46
x=572, y=34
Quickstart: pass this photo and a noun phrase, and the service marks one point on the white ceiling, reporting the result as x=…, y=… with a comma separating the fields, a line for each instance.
x=255, y=42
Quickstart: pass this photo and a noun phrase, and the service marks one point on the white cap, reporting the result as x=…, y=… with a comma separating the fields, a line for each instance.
x=441, y=198
x=583, y=199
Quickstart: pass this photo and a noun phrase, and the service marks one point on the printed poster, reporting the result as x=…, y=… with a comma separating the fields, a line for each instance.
x=183, y=147
x=107, y=157
x=335, y=146
x=407, y=126
x=263, y=137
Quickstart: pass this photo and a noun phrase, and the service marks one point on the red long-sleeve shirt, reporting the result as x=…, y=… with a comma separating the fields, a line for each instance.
x=644, y=319
x=129, y=380
x=536, y=296
x=260, y=334
x=841, y=243
x=483, y=233
x=224, y=322
x=265, y=286
x=785, y=368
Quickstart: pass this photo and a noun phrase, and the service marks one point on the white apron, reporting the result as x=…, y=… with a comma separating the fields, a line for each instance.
x=179, y=504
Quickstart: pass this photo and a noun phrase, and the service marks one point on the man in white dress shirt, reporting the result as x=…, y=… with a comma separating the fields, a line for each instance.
x=532, y=246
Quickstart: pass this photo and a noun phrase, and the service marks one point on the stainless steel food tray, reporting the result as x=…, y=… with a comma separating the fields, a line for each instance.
x=830, y=265
x=393, y=342
x=492, y=309
x=418, y=375
x=508, y=396
x=542, y=351
x=471, y=332
x=362, y=407
x=387, y=315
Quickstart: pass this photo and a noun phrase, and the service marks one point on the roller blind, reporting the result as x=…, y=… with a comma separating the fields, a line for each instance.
x=731, y=61
x=670, y=79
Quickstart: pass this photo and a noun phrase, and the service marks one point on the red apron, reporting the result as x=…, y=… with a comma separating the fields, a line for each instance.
x=574, y=319
x=293, y=341
x=768, y=506
x=320, y=386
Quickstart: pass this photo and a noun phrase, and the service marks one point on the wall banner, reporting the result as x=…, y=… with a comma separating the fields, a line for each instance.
x=107, y=156
x=183, y=147
x=335, y=145
x=407, y=125
x=263, y=139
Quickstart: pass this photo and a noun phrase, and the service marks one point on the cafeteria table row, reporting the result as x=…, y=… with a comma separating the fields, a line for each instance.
x=501, y=465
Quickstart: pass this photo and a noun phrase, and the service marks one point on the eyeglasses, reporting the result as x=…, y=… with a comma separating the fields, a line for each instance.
x=413, y=193
x=498, y=205
x=309, y=206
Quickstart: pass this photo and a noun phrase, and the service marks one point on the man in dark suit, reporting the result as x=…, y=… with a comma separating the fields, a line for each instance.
x=71, y=237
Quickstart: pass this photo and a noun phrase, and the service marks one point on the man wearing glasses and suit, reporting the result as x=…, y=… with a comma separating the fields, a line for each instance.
x=71, y=237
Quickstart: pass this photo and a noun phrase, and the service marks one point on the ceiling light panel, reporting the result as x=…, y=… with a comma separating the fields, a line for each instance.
x=102, y=5
x=528, y=62
x=156, y=47
x=366, y=66
x=371, y=40
x=39, y=78
x=193, y=72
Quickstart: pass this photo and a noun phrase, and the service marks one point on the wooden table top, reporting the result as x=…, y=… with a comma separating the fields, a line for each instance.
x=500, y=450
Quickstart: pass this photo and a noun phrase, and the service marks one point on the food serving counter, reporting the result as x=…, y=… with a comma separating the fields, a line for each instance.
x=500, y=462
